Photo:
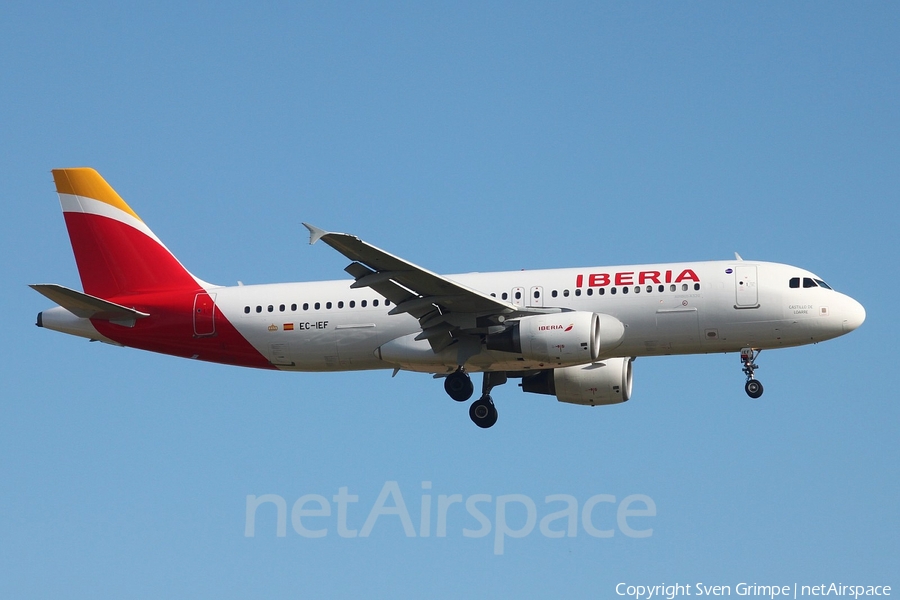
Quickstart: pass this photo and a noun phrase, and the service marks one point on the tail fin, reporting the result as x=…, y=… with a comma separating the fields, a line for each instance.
x=115, y=251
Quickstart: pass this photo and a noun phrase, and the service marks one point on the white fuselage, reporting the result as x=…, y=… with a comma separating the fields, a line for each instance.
x=718, y=306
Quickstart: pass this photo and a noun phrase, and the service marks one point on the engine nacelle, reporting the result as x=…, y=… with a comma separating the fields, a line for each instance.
x=570, y=338
x=605, y=382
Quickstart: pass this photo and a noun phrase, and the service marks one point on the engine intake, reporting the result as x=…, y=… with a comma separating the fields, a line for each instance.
x=599, y=383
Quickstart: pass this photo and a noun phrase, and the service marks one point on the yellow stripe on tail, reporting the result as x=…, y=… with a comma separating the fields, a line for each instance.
x=88, y=183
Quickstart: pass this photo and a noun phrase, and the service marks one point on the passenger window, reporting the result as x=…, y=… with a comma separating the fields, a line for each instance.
x=258, y=309
x=281, y=308
x=363, y=303
x=328, y=305
x=554, y=293
x=683, y=287
x=271, y=308
x=387, y=302
x=317, y=305
x=566, y=293
x=649, y=288
x=577, y=292
x=518, y=295
x=696, y=287
x=662, y=288
x=504, y=296
x=246, y=310
x=601, y=291
x=293, y=307
x=306, y=306
x=590, y=292
x=493, y=295
x=375, y=302
x=808, y=283
x=672, y=288
x=612, y=291
x=624, y=290
x=353, y=304
x=637, y=289
x=795, y=282
x=537, y=294
x=341, y=304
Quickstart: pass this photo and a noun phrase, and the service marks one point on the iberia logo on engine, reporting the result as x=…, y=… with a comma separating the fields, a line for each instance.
x=556, y=327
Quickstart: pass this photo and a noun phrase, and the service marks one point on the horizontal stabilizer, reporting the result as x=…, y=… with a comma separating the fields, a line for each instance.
x=89, y=307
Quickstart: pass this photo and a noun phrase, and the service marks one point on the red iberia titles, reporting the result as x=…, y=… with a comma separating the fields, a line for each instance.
x=634, y=278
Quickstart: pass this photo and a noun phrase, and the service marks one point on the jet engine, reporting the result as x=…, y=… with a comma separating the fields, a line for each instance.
x=604, y=382
x=568, y=338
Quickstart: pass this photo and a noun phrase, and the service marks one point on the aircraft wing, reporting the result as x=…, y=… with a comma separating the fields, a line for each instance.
x=446, y=309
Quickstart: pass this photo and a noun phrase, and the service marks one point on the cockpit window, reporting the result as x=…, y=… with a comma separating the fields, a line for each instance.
x=809, y=282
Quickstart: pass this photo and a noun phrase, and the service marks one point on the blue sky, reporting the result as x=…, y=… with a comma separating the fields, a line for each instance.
x=463, y=137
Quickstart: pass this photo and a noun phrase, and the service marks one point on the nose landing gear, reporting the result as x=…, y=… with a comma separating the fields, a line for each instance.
x=753, y=387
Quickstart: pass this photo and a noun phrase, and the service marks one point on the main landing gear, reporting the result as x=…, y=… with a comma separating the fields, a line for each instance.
x=483, y=412
x=458, y=386
x=753, y=387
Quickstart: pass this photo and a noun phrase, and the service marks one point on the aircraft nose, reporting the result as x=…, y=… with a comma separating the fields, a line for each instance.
x=854, y=315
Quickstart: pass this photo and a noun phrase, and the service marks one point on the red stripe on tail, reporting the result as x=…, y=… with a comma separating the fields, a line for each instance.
x=115, y=259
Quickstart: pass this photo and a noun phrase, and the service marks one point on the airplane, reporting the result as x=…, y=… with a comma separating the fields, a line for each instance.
x=572, y=333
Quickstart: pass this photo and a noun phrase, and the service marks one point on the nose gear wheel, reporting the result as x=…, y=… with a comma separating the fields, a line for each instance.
x=753, y=387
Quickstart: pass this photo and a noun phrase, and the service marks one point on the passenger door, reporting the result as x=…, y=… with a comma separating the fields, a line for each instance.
x=746, y=291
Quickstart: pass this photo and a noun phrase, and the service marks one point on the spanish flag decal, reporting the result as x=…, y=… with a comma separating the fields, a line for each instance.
x=288, y=326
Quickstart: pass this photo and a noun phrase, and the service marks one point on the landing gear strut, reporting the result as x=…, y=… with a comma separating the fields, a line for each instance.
x=753, y=387
x=483, y=412
x=458, y=385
